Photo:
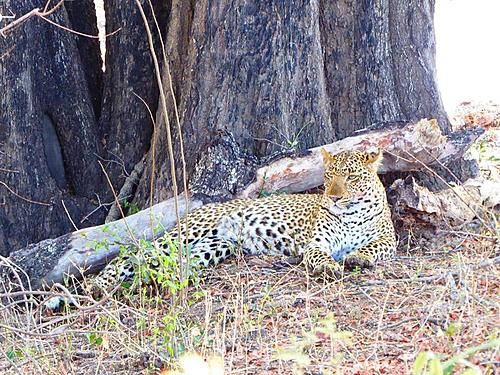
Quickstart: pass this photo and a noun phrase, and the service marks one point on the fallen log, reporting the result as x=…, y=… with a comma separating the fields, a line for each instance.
x=452, y=207
x=405, y=149
x=90, y=249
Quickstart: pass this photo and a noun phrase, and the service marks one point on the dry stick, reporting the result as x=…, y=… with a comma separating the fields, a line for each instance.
x=8, y=170
x=21, y=197
x=97, y=208
x=69, y=216
x=35, y=12
x=43, y=15
x=153, y=149
x=167, y=124
x=46, y=5
x=178, y=123
x=16, y=269
x=132, y=235
x=425, y=279
x=470, y=234
x=78, y=32
x=95, y=304
x=6, y=53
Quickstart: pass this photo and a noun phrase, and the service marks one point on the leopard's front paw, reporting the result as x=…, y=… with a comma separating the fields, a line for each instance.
x=321, y=264
x=362, y=261
x=329, y=271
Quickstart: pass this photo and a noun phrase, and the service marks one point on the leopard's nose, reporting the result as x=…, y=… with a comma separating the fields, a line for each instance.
x=334, y=198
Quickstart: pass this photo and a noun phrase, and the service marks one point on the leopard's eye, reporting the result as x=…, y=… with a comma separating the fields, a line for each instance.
x=352, y=178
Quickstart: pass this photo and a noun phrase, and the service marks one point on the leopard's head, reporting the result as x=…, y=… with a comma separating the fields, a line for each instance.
x=351, y=176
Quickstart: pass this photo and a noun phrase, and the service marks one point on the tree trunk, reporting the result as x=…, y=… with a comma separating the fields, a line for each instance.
x=290, y=75
x=130, y=90
x=48, y=132
x=58, y=117
x=268, y=77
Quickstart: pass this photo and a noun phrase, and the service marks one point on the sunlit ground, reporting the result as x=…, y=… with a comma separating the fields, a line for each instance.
x=468, y=50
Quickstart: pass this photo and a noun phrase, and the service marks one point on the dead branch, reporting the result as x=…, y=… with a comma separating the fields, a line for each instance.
x=21, y=197
x=37, y=12
x=126, y=191
x=90, y=249
x=437, y=277
x=422, y=140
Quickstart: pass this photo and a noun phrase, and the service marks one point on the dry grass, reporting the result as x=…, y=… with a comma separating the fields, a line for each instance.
x=263, y=316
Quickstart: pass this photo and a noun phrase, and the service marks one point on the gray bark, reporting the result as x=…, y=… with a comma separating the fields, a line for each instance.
x=291, y=75
x=48, y=132
x=129, y=77
x=56, y=121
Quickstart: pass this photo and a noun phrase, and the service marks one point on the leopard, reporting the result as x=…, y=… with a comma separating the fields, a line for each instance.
x=347, y=225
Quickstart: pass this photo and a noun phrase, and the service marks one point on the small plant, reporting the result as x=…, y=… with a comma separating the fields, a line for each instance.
x=356, y=271
x=452, y=329
x=158, y=285
x=293, y=141
x=153, y=266
x=14, y=353
x=298, y=350
x=430, y=363
x=130, y=207
x=94, y=339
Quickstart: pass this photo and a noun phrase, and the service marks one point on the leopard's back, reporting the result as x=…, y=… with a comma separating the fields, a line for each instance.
x=277, y=224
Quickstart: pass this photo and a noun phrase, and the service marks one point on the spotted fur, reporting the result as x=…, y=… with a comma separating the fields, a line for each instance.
x=349, y=222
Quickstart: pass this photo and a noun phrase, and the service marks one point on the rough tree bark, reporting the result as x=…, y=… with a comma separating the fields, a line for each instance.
x=48, y=133
x=280, y=75
x=128, y=81
x=58, y=116
x=273, y=76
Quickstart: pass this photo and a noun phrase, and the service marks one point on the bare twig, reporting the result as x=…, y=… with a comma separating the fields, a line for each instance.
x=78, y=32
x=43, y=14
x=432, y=278
x=117, y=201
x=33, y=13
x=21, y=197
x=8, y=170
x=100, y=204
x=69, y=216
x=126, y=189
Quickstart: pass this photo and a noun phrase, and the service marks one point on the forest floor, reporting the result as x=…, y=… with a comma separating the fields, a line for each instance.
x=259, y=315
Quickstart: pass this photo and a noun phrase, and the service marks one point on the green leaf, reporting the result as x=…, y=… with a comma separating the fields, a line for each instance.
x=449, y=365
x=451, y=329
x=435, y=367
x=420, y=363
x=94, y=339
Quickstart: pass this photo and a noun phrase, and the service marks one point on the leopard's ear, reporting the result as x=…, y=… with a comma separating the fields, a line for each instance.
x=373, y=159
x=327, y=157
